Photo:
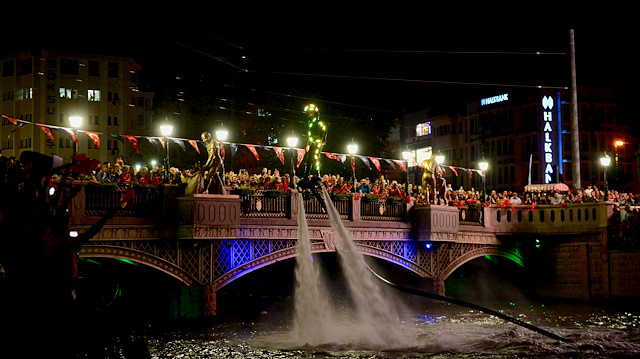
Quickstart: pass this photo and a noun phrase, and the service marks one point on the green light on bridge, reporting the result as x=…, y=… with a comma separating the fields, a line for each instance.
x=537, y=243
x=91, y=261
x=127, y=261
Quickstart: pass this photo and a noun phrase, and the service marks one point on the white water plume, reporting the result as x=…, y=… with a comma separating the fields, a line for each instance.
x=312, y=310
x=378, y=323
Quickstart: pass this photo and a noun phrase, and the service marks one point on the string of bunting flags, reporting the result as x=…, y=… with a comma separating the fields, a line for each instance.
x=157, y=141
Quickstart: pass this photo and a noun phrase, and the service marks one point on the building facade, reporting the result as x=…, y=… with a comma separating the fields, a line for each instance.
x=46, y=87
x=525, y=137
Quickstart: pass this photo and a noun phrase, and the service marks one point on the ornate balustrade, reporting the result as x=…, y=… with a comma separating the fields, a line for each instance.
x=101, y=198
x=471, y=216
x=572, y=218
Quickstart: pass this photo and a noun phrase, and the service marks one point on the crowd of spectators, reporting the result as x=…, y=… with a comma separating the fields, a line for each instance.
x=267, y=179
x=625, y=232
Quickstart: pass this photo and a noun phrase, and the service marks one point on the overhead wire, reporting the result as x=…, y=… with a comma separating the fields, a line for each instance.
x=383, y=78
x=418, y=80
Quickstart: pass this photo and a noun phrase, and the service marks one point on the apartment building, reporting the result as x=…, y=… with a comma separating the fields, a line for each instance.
x=47, y=87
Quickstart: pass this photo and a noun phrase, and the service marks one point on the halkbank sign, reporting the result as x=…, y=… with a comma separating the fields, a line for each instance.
x=551, y=139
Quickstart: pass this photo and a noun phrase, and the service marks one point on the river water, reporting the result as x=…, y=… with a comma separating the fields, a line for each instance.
x=436, y=330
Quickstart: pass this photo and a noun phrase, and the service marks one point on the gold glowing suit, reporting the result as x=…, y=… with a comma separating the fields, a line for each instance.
x=316, y=138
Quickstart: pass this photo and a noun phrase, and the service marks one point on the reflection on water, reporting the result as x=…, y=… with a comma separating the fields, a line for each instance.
x=440, y=331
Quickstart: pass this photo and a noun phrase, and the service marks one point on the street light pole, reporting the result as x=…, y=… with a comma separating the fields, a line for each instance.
x=221, y=135
x=76, y=122
x=166, y=129
x=484, y=166
x=406, y=155
x=353, y=148
x=292, y=141
x=605, y=161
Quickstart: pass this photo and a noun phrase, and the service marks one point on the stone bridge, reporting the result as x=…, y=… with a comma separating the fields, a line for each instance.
x=211, y=240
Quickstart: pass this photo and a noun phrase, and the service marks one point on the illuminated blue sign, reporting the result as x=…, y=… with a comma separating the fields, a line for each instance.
x=494, y=99
x=549, y=139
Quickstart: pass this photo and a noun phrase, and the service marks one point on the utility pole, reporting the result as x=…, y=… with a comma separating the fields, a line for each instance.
x=575, y=130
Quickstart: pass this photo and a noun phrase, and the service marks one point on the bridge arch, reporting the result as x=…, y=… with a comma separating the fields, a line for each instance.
x=105, y=251
x=476, y=253
x=316, y=247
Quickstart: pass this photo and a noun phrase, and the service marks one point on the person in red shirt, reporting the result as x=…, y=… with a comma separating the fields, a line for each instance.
x=340, y=187
x=155, y=180
x=394, y=191
x=125, y=177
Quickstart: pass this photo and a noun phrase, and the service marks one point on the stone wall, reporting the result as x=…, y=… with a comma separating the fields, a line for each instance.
x=584, y=271
x=625, y=274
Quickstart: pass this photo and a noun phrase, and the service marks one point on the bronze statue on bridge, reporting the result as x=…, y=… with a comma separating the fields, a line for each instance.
x=433, y=184
x=208, y=179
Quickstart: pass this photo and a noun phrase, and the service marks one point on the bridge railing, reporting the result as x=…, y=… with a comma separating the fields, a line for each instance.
x=100, y=198
x=471, y=216
x=573, y=218
x=265, y=205
x=383, y=210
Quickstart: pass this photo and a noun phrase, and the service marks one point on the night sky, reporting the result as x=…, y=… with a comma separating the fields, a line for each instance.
x=381, y=61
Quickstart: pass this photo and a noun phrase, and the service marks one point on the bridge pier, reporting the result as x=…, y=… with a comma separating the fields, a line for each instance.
x=435, y=286
x=210, y=305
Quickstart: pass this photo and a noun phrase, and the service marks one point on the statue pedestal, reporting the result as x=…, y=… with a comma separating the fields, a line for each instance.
x=441, y=219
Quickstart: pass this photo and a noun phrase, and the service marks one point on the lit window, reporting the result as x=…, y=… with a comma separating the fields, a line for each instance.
x=423, y=129
x=93, y=95
x=68, y=93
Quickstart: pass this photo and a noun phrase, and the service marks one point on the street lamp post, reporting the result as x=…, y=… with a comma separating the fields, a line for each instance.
x=166, y=129
x=352, y=148
x=292, y=141
x=484, y=166
x=439, y=161
x=617, y=146
x=605, y=161
x=406, y=155
x=221, y=135
x=76, y=122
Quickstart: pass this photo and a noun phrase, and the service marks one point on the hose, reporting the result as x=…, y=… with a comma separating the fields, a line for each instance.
x=470, y=305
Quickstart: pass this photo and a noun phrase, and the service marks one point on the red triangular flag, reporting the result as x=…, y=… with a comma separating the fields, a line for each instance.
x=253, y=150
x=454, y=170
x=194, y=144
x=94, y=137
x=47, y=131
x=161, y=141
x=353, y=163
x=376, y=162
x=332, y=156
x=84, y=165
x=279, y=153
x=470, y=172
x=73, y=135
x=401, y=164
x=300, y=153
x=11, y=119
x=134, y=142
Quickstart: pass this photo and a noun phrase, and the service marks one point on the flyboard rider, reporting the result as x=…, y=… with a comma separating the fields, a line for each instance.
x=316, y=139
